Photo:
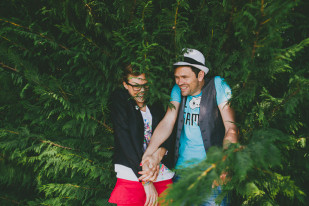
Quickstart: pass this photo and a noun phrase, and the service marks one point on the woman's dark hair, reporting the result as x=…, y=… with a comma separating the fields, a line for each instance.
x=128, y=70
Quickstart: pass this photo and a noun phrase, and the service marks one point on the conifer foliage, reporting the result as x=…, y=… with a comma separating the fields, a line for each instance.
x=60, y=61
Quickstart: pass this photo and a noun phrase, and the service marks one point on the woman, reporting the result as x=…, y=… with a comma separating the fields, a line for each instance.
x=134, y=122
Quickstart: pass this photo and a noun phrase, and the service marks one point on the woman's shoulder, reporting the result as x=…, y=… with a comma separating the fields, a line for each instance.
x=119, y=100
x=156, y=108
x=120, y=93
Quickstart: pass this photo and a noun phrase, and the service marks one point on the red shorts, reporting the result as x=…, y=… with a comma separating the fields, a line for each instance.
x=132, y=193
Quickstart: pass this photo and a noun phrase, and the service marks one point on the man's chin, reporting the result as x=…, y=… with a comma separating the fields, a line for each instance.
x=184, y=94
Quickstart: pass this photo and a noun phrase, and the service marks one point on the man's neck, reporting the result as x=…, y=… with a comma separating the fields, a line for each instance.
x=202, y=84
x=200, y=87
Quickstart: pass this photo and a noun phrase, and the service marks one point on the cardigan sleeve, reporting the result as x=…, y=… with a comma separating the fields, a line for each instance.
x=125, y=143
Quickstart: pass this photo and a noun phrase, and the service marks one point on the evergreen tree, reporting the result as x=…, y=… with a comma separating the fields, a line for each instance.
x=60, y=61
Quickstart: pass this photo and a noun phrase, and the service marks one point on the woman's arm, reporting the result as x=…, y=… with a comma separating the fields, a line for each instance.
x=151, y=194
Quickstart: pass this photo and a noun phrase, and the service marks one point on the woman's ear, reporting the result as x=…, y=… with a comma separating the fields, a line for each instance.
x=125, y=85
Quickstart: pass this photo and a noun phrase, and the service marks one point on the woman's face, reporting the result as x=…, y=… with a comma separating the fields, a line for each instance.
x=136, y=86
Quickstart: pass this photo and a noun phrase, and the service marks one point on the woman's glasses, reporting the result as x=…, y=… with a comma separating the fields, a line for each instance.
x=138, y=87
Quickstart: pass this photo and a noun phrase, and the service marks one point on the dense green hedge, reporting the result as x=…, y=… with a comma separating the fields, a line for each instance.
x=60, y=60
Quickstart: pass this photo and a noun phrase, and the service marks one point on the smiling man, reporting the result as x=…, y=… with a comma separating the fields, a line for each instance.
x=205, y=118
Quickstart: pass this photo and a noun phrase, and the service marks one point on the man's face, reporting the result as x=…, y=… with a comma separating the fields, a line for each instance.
x=136, y=86
x=187, y=81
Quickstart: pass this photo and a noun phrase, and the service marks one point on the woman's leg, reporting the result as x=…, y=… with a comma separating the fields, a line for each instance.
x=130, y=204
x=161, y=187
x=128, y=193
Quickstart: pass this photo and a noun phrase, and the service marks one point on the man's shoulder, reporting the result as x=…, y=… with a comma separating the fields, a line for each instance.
x=223, y=90
x=219, y=79
x=220, y=82
x=176, y=94
x=176, y=88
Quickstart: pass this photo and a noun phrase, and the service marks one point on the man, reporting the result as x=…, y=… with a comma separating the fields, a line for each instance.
x=205, y=118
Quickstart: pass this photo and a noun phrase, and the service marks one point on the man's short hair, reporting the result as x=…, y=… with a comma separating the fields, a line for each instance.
x=195, y=70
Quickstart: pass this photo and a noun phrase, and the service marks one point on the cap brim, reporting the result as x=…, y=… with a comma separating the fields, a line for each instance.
x=203, y=68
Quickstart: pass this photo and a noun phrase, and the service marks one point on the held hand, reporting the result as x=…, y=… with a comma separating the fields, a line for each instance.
x=151, y=195
x=150, y=168
x=152, y=160
x=149, y=174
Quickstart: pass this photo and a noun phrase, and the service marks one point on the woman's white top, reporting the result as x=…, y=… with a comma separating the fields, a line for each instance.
x=127, y=173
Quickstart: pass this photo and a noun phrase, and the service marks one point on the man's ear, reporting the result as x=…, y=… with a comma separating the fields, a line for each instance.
x=125, y=85
x=201, y=76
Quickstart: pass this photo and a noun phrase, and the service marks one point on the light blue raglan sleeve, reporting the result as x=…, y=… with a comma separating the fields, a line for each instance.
x=224, y=92
x=176, y=94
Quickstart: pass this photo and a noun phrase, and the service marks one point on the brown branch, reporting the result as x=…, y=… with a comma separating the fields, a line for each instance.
x=255, y=42
x=255, y=45
x=231, y=18
x=8, y=67
x=14, y=24
x=64, y=94
x=77, y=186
x=40, y=34
x=13, y=201
x=92, y=42
x=132, y=11
x=90, y=10
x=175, y=22
x=103, y=124
x=143, y=18
x=262, y=7
x=60, y=45
x=213, y=166
x=11, y=131
x=202, y=175
x=285, y=100
x=56, y=145
x=44, y=141
x=21, y=47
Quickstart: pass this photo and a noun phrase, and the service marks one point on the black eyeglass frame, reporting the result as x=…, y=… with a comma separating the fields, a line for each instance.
x=138, y=87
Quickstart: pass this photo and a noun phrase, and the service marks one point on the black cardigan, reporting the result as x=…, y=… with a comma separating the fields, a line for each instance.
x=129, y=130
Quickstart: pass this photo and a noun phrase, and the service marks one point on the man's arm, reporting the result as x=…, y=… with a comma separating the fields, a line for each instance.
x=152, y=155
x=228, y=117
x=163, y=130
x=231, y=133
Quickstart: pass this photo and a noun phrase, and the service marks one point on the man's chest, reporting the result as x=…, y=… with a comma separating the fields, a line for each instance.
x=192, y=111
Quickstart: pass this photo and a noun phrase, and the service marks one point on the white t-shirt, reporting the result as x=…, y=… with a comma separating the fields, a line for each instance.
x=127, y=173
